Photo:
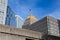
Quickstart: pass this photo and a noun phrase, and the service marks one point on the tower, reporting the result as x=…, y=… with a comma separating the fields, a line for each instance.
x=10, y=17
x=29, y=20
x=3, y=9
x=7, y=16
x=19, y=21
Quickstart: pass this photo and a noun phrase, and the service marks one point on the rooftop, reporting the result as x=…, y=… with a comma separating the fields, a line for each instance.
x=19, y=31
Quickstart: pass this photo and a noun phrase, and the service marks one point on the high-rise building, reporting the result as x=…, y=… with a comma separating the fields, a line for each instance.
x=7, y=16
x=19, y=21
x=10, y=17
x=48, y=25
x=3, y=7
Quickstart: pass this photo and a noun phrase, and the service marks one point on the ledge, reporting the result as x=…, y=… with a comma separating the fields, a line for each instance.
x=19, y=31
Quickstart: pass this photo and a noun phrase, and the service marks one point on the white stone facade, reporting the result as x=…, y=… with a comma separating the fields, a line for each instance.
x=3, y=8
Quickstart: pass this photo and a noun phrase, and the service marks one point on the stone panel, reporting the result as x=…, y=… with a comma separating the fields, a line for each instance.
x=4, y=36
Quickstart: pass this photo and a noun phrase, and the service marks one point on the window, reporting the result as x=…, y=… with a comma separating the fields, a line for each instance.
x=28, y=39
x=1, y=13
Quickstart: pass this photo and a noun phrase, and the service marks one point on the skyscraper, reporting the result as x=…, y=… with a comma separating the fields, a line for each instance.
x=19, y=21
x=10, y=17
x=7, y=16
x=3, y=9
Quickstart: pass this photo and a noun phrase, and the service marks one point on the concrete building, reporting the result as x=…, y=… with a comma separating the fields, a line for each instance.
x=10, y=17
x=3, y=7
x=19, y=21
x=12, y=33
x=48, y=25
x=59, y=25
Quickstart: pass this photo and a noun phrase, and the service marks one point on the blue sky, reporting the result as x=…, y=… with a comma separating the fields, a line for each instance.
x=40, y=8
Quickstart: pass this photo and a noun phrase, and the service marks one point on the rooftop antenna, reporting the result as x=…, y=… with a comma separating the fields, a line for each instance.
x=30, y=12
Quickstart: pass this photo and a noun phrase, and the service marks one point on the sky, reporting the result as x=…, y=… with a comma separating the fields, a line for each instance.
x=39, y=8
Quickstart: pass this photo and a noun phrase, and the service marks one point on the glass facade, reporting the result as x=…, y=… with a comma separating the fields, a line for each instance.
x=7, y=16
x=19, y=21
x=3, y=7
x=10, y=17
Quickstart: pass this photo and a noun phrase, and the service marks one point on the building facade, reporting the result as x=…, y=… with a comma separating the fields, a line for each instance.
x=10, y=17
x=48, y=25
x=3, y=7
x=59, y=25
x=53, y=26
x=19, y=21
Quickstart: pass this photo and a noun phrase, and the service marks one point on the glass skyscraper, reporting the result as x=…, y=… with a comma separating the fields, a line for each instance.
x=10, y=17
x=7, y=16
x=19, y=21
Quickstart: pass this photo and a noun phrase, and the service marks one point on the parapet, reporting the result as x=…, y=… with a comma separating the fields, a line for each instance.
x=19, y=31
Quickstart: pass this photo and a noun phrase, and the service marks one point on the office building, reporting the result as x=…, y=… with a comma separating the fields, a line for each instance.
x=3, y=7
x=19, y=21
x=7, y=16
x=10, y=17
